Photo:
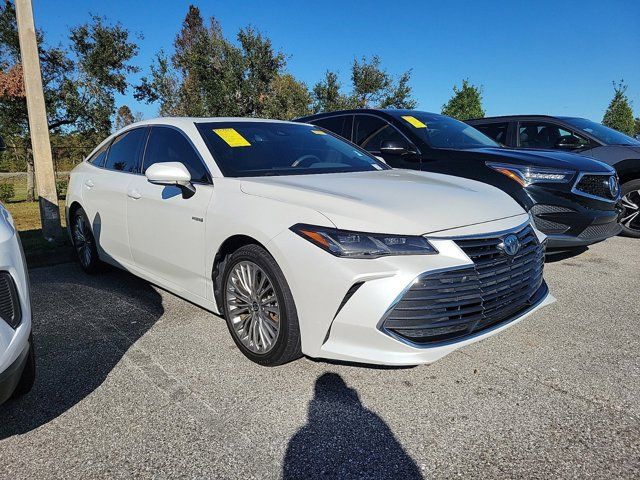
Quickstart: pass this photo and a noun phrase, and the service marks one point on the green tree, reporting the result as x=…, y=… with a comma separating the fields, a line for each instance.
x=637, y=125
x=374, y=87
x=326, y=94
x=466, y=102
x=399, y=96
x=209, y=75
x=79, y=81
x=371, y=87
x=289, y=98
x=619, y=114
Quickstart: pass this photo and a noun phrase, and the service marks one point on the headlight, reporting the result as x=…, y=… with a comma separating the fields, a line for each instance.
x=342, y=243
x=526, y=175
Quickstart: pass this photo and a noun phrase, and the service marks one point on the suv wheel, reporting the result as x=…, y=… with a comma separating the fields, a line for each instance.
x=259, y=308
x=630, y=217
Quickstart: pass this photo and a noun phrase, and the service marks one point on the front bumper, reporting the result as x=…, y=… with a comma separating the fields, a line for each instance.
x=570, y=220
x=14, y=342
x=350, y=331
x=10, y=377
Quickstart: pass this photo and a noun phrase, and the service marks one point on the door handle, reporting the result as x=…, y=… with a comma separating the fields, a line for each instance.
x=135, y=194
x=89, y=183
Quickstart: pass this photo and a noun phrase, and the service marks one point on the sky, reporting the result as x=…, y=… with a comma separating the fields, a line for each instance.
x=544, y=57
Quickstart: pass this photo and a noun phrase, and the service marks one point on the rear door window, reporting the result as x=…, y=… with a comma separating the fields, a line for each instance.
x=496, y=131
x=126, y=150
x=340, y=125
x=545, y=135
x=97, y=158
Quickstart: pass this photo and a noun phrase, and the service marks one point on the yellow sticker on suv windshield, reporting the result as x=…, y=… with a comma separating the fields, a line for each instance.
x=318, y=132
x=414, y=121
x=231, y=137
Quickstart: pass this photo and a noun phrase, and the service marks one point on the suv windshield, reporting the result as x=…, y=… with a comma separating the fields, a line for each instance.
x=606, y=135
x=252, y=149
x=439, y=131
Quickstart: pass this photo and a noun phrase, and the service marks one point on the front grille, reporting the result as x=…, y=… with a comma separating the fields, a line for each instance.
x=456, y=303
x=595, y=185
x=604, y=230
x=9, y=303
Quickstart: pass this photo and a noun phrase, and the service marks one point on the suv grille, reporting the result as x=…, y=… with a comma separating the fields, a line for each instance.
x=459, y=302
x=9, y=303
x=596, y=185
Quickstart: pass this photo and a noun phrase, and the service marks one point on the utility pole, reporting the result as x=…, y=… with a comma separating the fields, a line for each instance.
x=38, y=123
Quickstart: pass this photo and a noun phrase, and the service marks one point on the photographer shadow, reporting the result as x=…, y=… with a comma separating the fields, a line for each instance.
x=343, y=439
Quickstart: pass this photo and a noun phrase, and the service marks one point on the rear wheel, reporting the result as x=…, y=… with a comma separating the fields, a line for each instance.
x=84, y=242
x=630, y=217
x=259, y=307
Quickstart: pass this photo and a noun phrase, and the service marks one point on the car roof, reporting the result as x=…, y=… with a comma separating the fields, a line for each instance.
x=185, y=121
x=391, y=112
x=516, y=117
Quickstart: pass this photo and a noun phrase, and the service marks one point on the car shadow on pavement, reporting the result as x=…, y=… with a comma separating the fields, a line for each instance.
x=344, y=439
x=559, y=255
x=83, y=325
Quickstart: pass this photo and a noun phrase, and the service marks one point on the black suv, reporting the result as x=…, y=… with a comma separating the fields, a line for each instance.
x=579, y=135
x=573, y=199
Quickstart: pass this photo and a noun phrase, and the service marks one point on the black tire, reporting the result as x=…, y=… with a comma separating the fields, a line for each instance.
x=631, y=189
x=28, y=377
x=84, y=242
x=287, y=345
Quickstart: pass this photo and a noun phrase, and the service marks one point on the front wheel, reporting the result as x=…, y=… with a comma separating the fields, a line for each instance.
x=630, y=217
x=259, y=307
x=84, y=242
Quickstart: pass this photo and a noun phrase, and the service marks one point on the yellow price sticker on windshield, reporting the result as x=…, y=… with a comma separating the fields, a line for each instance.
x=318, y=132
x=414, y=121
x=231, y=137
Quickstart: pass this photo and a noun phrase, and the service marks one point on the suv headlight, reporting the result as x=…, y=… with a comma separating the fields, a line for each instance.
x=342, y=243
x=526, y=175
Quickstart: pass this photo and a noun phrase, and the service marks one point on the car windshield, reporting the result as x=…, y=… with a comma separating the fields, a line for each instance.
x=252, y=149
x=439, y=131
x=606, y=135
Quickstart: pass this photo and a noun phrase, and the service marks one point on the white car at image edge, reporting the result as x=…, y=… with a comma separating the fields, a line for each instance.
x=17, y=363
x=305, y=243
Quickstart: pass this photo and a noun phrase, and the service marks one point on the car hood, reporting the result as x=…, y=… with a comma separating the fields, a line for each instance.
x=541, y=158
x=390, y=201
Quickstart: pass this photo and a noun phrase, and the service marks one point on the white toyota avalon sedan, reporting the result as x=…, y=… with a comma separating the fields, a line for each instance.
x=17, y=363
x=305, y=243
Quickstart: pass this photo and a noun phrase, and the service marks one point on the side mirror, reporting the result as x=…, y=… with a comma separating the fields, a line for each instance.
x=395, y=147
x=568, y=143
x=170, y=173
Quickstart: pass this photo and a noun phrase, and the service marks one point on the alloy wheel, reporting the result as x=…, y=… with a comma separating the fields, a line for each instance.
x=83, y=241
x=630, y=217
x=252, y=306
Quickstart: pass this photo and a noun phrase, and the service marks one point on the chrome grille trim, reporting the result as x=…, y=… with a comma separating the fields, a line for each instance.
x=453, y=304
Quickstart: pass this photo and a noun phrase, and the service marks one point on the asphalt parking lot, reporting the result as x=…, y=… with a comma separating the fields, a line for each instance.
x=135, y=382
